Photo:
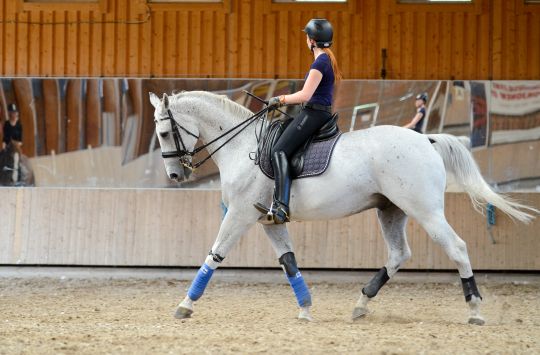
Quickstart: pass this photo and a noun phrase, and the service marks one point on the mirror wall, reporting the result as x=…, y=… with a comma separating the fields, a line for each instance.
x=100, y=132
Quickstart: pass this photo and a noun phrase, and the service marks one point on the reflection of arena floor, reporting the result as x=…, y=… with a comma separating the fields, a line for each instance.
x=132, y=313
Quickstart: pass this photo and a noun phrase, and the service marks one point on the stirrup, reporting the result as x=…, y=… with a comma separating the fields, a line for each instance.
x=271, y=215
x=281, y=214
x=267, y=217
x=261, y=208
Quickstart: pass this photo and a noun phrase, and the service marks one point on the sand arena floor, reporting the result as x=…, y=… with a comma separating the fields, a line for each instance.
x=59, y=315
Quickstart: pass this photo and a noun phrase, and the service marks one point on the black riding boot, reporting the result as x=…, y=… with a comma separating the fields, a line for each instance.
x=282, y=191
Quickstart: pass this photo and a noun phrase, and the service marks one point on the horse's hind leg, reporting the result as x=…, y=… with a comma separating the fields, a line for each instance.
x=442, y=233
x=281, y=241
x=233, y=226
x=392, y=221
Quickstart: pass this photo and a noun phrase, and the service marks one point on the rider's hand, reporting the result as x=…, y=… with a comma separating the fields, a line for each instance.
x=274, y=103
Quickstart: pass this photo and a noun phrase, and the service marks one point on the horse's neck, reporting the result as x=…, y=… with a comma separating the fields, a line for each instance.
x=213, y=122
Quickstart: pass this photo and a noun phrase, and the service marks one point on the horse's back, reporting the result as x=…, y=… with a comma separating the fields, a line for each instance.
x=383, y=161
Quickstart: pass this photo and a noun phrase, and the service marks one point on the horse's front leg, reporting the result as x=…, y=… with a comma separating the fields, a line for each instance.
x=281, y=241
x=233, y=226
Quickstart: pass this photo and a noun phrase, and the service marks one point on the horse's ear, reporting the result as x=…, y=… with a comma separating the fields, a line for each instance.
x=166, y=101
x=154, y=99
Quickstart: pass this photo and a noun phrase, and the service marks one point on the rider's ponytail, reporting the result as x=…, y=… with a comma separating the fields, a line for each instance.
x=335, y=68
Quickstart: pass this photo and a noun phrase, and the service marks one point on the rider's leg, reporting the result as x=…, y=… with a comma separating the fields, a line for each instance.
x=233, y=226
x=282, y=244
x=392, y=221
x=282, y=191
x=297, y=132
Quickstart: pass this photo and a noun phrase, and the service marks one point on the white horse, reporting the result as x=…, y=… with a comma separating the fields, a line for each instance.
x=393, y=169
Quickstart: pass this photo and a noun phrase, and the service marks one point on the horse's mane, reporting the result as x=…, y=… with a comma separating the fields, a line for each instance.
x=227, y=104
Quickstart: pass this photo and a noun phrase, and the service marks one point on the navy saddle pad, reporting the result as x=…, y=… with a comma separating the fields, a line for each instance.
x=311, y=159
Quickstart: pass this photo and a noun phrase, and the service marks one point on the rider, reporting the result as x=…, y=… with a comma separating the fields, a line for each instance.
x=418, y=120
x=316, y=97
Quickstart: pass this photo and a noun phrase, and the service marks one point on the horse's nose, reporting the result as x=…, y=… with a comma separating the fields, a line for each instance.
x=173, y=176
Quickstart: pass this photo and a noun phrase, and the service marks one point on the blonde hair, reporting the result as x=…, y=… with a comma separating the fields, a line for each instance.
x=335, y=68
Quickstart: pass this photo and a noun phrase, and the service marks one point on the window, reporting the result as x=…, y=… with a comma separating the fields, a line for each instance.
x=307, y=5
x=364, y=116
x=329, y=1
x=190, y=5
x=66, y=5
x=59, y=1
x=432, y=1
x=180, y=1
x=470, y=6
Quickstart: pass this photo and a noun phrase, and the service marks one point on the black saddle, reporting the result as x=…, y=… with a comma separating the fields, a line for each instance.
x=310, y=159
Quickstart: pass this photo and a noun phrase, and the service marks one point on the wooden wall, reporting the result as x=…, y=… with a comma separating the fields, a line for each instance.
x=488, y=39
x=177, y=227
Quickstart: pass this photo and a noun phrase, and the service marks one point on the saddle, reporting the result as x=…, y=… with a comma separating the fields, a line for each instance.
x=310, y=159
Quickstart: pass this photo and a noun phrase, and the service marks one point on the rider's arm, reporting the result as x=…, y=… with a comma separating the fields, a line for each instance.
x=416, y=118
x=312, y=81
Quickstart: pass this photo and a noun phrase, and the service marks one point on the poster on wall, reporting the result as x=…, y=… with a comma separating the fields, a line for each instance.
x=515, y=98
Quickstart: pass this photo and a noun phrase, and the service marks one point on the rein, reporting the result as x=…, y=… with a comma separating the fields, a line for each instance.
x=181, y=151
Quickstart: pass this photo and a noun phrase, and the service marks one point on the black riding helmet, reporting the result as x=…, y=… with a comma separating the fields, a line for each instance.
x=320, y=30
x=423, y=96
x=12, y=108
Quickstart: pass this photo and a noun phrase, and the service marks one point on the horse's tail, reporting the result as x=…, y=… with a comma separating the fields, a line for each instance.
x=459, y=161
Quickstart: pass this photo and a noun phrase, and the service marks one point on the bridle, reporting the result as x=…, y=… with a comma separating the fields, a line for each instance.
x=182, y=153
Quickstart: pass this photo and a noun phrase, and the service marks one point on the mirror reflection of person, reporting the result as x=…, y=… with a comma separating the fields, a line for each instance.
x=418, y=120
x=12, y=128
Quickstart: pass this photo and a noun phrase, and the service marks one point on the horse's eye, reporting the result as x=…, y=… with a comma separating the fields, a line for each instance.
x=164, y=134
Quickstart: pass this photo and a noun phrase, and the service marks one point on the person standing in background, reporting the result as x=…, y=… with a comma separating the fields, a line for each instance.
x=13, y=132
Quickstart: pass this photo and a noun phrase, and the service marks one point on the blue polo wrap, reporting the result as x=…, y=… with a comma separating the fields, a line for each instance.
x=198, y=285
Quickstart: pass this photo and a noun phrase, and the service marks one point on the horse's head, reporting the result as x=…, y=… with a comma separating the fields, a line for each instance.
x=177, y=134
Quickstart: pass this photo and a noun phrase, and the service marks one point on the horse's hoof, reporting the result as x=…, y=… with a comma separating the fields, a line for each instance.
x=183, y=312
x=359, y=312
x=305, y=316
x=477, y=320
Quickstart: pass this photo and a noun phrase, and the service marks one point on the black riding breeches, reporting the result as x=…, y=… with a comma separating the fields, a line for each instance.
x=303, y=126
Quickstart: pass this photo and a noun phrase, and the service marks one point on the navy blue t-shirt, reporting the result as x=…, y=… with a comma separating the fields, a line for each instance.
x=418, y=126
x=325, y=91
